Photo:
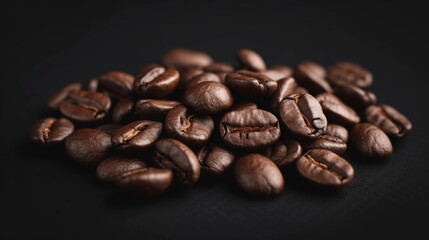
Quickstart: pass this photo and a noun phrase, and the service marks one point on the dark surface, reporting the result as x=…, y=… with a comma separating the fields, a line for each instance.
x=44, y=195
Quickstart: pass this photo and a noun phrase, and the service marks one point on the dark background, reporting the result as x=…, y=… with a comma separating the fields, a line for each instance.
x=46, y=46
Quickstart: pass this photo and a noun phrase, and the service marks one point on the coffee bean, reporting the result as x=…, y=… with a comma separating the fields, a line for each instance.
x=337, y=131
x=174, y=155
x=355, y=96
x=370, y=141
x=84, y=106
x=110, y=129
x=87, y=146
x=336, y=110
x=145, y=182
x=218, y=67
x=109, y=169
x=58, y=97
x=208, y=98
x=187, y=74
x=326, y=168
x=303, y=116
x=192, y=129
x=50, y=131
x=328, y=142
x=92, y=85
x=249, y=128
x=137, y=136
x=312, y=76
x=258, y=175
x=349, y=73
x=123, y=109
x=388, y=119
x=156, y=81
x=152, y=109
x=186, y=58
x=284, y=153
x=215, y=159
x=278, y=72
x=285, y=87
x=118, y=83
x=203, y=77
x=243, y=105
x=250, y=84
x=300, y=90
x=251, y=60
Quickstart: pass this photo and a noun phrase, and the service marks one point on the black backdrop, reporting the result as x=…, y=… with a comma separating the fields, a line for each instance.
x=44, y=195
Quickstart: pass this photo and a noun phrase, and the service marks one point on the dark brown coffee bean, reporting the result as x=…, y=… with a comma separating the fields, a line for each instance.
x=249, y=128
x=186, y=58
x=156, y=81
x=174, y=155
x=355, y=96
x=109, y=169
x=218, y=67
x=152, y=109
x=243, y=105
x=311, y=76
x=250, y=84
x=87, y=146
x=284, y=153
x=370, y=141
x=208, y=98
x=116, y=82
x=278, y=72
x=337, y=131
x=123, y=109
x=258, y=175
x=325, y=168
x=84, y=106
x=303, y=116
x=215, y=159
x=135, y=136
x=203, y=77
x=110, y=129
x=285, y=87
x=388, y=119
x=145, y=182
x=336, y=110
x=328, y=142
x=58, y=97
x=251, y=60
x=51, y=131
x=192, y=129
x=300, y=90
x=349, y=73
x=187, y=74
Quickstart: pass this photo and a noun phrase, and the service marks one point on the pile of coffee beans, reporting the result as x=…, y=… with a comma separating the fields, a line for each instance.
x=189, y=116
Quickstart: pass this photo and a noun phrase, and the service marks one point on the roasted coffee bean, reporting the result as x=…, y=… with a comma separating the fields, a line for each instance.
x=349, y=73
x=156, y=81
x=249, y=128
x=174, y=155
x=303, y=116
x=135, y=136
x=109, y=169
x=355, y=96
x=218, y=67
x=337, y=111
x=328, y=142
x=145, y=182
x=186, y=58
x=278, y=72
x=110, y=129
x=203, y=77
x=84, y=106
x=116, y=82
x=49, y=131
x=388, y=119
x=243, y=105
x=192, y=129
x=258, y=175
x=208, y=98
x=123, y=109
x=251, y=60
x=370, y=141
x=285, y=87
x=250, y=84
x=312, y=76
x=325, y=168
x=215, y=159
x=300, y=90
x=92, y=85
x=187, y=74
x=152, y=109
x=58, y=97
x=284, y=153
x=87, y=146
x=337, y=131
